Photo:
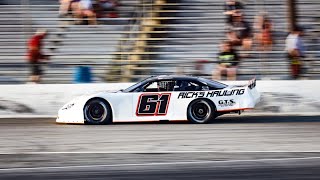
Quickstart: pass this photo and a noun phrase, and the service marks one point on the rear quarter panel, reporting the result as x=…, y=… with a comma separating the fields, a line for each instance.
x=228, y=99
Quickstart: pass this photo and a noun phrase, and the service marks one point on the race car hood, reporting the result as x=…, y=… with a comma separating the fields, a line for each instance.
x=84, y=98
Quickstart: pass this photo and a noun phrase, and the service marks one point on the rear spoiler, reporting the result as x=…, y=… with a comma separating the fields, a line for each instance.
x=252, y=83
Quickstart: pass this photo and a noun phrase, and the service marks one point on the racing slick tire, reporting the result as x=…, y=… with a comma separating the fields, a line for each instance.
x=97, y=111
x=201, y=111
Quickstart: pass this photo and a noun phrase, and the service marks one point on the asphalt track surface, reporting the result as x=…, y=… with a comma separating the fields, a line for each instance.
x=233, y=147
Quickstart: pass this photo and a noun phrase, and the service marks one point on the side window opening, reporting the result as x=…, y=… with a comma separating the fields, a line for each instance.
x=182, y=85
x=160, y=86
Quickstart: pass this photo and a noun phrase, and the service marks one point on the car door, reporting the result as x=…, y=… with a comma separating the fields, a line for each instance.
x=153, y=102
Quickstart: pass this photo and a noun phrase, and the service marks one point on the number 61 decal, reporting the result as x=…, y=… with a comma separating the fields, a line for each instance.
x=153, y=104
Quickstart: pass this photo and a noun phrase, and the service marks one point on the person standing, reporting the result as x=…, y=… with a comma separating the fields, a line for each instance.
x=295, y=51
x=35, y=56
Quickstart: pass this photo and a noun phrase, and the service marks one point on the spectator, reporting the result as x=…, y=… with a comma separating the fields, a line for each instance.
x=107, y=8
x=240, y=32
x=68, y=7
x=230, y=8
x=295, y=51
x=86, y=11
x=263, y=26
x=200, y=67
x=228, y=62
x=64, y=7
x=35, y=55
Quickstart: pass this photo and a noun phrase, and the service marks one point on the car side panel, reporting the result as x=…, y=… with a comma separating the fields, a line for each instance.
x=126, y=106
x=223, y=103
x=228, y=99
x=181, y=105
x=152, y=106
x=121, y=105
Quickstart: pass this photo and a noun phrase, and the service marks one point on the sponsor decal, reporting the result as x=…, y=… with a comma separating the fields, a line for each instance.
x=68, y=106
x=219, y=93
x=153, y=104
x=252, y=83
x=225, y=103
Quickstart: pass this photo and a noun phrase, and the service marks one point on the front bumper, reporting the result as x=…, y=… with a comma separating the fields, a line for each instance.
x=66, y=120
x=72, y=115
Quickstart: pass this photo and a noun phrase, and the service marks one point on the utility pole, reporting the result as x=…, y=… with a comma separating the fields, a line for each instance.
x=292, y=14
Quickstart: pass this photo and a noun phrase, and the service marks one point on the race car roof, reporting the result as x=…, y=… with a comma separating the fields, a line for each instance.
x=208, y=82
x=172, y=77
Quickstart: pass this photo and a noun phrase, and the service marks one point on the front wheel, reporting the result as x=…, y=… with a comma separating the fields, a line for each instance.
x=97, y=111
x=201, y=111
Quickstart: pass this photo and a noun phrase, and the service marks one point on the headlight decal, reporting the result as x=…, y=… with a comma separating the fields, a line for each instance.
x=68, y=106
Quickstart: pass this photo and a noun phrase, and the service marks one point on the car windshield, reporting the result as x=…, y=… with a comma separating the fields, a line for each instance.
x=133, y=87
x=212, y=83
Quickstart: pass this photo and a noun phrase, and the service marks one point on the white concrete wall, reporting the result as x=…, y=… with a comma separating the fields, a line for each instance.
x=278, y=97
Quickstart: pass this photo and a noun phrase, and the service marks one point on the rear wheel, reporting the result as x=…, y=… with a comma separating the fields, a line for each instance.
x=201, y=111
x=97, y=111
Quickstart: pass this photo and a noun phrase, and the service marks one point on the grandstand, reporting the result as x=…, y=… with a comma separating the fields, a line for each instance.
x=197, y=27
x=68, y=45
x=309, y=17
x=150, y=37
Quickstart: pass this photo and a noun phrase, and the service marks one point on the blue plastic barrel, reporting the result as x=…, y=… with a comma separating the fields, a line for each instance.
x=83, y=75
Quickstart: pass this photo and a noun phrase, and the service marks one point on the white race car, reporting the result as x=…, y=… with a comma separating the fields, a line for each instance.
x=195, y=99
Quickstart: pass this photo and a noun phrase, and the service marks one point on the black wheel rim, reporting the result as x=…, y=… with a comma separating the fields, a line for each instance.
x=96, y=111
x=200, y=111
